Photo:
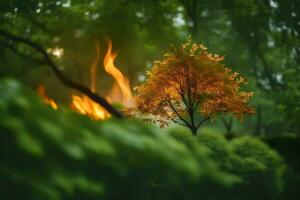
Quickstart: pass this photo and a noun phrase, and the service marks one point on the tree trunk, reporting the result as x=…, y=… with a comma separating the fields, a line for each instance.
x=194, y=130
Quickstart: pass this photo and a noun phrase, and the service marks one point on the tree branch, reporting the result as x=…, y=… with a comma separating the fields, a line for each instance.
x=173, y=108
x=22, y=55
x=202, y=121
x=206, y=118
x=62, y=77
x=197, y=104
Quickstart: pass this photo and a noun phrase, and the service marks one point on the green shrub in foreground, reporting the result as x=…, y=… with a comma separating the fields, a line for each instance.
x=288, y=146
x=55, y=155
x=259, y=167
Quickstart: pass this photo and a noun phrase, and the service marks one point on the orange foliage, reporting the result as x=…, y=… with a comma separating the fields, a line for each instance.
x=188, y=80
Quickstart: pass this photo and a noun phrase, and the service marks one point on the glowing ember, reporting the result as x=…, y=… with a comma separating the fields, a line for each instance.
x=120, y=92
x=42, y=92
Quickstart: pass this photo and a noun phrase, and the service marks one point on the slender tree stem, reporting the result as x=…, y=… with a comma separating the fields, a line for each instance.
x=176, y=112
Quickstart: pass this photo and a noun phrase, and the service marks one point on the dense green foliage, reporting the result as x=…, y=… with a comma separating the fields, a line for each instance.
x=260, y=168
x=48, y=154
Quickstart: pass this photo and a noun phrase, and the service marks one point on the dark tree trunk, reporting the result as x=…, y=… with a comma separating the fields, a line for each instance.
x=228, y=123
x=194, y=130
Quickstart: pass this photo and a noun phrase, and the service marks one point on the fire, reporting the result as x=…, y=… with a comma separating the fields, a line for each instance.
x=120, y=92
x=42, y=92
x=121, y=84
x=84, y=104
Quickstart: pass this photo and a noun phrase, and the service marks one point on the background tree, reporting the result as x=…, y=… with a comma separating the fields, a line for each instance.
x=190, y=79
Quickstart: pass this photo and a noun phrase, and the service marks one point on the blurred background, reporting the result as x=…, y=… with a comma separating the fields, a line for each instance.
x=259, y=38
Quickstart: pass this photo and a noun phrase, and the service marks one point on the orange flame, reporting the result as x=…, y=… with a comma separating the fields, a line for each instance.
x=42, y=92
x=121, y=82
x=86, y=106
x=93, y=71
x=120, y=92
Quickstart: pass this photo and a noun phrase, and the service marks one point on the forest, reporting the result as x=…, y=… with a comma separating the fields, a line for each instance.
x=150, y=100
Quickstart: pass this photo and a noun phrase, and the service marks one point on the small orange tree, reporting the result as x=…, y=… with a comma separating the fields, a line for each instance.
x=190, y=86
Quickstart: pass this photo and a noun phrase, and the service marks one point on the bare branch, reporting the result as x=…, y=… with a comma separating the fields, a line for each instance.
x=180, y=117
x=182, y=97
x=202, y=121
x=174, y=120
x=22, y=55
x=62, y=77
x=197, y=104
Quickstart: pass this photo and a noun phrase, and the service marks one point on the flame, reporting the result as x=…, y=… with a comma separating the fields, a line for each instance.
x=86, y=106
x=93, y=71
x=121, y=81
x=120, y=92
x=42, y=92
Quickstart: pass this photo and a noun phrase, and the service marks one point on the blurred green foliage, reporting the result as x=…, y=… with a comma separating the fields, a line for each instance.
x=288, y=146
x=48, y=154
x=260, y=168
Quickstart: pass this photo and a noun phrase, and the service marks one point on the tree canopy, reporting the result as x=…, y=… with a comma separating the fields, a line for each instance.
x=190, y=80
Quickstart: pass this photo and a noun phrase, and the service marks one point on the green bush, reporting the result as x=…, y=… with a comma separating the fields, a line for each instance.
x=219, y=148
x=259, y=167
x=288, y=146
x=53, y=155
